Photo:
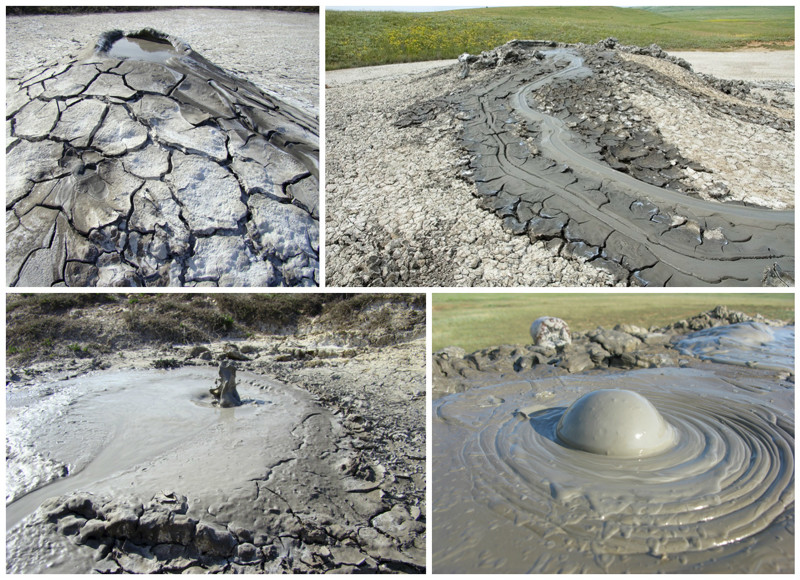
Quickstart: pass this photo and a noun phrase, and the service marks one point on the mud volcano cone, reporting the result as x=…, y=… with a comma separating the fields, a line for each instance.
x=225, y=389
x=143, y=164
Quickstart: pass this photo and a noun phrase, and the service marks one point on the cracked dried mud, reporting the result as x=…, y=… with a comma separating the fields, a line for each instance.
x=140, y=163
x=575, y=150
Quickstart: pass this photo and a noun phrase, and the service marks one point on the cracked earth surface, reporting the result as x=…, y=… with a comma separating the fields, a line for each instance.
x=157, y=169
x=576, y=151
x=322, y=468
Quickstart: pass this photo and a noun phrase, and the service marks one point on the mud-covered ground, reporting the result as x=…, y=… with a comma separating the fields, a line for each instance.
x=340, y=486
x=432, y=229
x=626, y=450
x=596, y=351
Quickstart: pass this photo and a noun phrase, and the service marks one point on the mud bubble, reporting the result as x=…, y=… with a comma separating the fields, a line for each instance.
x=615, y=422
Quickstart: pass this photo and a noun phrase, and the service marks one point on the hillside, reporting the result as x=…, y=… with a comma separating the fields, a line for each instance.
x=44, y=327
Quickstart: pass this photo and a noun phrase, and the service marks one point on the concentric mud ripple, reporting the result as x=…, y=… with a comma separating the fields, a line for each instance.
x=497, y=457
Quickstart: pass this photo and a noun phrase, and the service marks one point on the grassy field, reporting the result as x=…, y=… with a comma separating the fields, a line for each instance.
x=475, y=321
x=365, y=38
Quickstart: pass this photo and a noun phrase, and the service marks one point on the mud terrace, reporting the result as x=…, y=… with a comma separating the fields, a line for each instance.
x=576, y=152
x=321, y=469
x=138, y=162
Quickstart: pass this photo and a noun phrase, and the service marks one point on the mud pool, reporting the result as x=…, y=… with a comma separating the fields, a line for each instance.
x=134, y=429
x=131, y=435
x=511, y=497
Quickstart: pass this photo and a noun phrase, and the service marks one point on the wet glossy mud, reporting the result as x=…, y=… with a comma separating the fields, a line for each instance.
x=615, y=422
x=511, y=497
x=149, y=430
x=553, y=185
x=748, y=343
x=141, y=49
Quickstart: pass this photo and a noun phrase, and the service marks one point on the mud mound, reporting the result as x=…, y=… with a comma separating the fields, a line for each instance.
x=144, y=164
x=576, y=149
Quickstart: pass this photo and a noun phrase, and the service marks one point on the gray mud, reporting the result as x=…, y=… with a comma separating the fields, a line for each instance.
x=729, y=336
x=137, y=471
x=610, y=192
x=748, y=344
x=226, y=37
x=509, y=497
x=713, y=491
x=116, y=422
x=476, y=194
x=142, y=163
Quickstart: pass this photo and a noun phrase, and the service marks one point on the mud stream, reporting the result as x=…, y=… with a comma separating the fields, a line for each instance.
x=510, y=496
x=554, y=185
x=141, y=432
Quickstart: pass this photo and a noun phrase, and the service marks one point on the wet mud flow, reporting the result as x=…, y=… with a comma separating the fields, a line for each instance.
x=667, y=470
x=544, y=179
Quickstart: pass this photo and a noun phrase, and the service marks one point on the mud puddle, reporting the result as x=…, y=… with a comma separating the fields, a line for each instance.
x=137, y=431
x=518, y=488
x=142, y=49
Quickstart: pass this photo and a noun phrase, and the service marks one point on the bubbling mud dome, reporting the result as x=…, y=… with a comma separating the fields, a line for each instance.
x=656, y=470
x=141, y=163
x=615, y=422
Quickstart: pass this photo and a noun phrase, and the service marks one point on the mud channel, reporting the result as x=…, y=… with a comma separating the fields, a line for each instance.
x=545, y=164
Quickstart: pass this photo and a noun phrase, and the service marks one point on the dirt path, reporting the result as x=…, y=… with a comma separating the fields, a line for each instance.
x=745, y=65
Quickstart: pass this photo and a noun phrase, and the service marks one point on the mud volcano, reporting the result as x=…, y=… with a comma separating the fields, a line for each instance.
x=126, y=484
x=568, y=145
x=684, y=470
x=144, y=164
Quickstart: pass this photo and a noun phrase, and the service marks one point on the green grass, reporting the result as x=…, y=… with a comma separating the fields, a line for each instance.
x=364, y=38
x=475, y=321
